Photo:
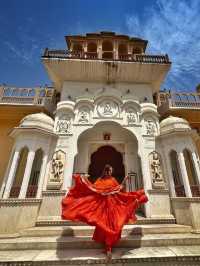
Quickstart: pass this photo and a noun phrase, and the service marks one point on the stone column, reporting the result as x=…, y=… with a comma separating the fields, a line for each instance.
x=42, y=176
x=146, y=177
x=99, y=49
x=27, y=173
x=171, y=178
x=69, y=166
x=11, y=174
x=184, y=174
x=196, y=166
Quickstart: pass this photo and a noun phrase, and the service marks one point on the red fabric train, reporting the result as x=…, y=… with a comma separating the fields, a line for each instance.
x=102, y=205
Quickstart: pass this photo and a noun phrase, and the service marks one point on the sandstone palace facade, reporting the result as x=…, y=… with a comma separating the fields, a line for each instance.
x=105, y=106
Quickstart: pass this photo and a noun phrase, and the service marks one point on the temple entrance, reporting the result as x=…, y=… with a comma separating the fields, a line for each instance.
x=106, y=155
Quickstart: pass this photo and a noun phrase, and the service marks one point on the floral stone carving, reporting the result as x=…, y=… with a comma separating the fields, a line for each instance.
x=64, y=125
x=150, y=127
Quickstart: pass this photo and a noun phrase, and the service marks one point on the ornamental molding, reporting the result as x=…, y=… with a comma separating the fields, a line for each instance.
x=185, y=199
x=52, y=193
x=19, y=202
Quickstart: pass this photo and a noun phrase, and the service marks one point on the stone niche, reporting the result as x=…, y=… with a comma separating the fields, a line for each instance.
x=56, y=172
x=155, y=162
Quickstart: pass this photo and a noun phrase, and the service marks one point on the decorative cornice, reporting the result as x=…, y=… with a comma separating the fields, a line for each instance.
x=159, y=191
x=185, y=199
x=53, y=193
x=19, y=202
x=46, y=222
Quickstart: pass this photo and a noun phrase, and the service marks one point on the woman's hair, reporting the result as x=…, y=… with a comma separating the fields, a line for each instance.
x=106, y=169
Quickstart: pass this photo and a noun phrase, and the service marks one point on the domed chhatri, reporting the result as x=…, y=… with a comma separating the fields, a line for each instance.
x=39, y=120
x=173, y=123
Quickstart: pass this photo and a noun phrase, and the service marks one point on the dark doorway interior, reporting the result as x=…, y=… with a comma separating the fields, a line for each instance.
x=106, y=155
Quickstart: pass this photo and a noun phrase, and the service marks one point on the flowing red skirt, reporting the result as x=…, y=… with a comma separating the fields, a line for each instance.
x=102, y=205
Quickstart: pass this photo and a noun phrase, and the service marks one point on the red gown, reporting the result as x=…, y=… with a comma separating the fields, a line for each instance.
x=102, y=205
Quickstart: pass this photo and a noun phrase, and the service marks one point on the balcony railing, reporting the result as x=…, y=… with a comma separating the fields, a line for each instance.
x=195, y=189
x=166, y=100
x=180, y=191
x=142, y=58
x=31, y=191
x=44, y=97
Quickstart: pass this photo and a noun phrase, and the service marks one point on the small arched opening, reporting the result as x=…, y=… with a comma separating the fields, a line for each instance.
x=107, y=50
x=136, y=50
x=178, y=183
x=122, y=51
x=35, y=175
x=16, y=186
x=92, y=50
x=77, y=50
x=106, y=155
x=194, y=186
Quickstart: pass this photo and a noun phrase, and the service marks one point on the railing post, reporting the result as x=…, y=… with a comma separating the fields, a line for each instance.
x=1, y=92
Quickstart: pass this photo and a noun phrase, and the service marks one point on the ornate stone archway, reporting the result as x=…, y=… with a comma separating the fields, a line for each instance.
x=106, y=154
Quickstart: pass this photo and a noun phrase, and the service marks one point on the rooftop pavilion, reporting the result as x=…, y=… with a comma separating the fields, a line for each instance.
x=105, y=57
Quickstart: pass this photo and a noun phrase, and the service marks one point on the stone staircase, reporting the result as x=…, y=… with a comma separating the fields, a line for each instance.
x=66, y=243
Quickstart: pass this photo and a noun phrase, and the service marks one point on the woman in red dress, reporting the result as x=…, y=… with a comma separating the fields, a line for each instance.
x=103, y=205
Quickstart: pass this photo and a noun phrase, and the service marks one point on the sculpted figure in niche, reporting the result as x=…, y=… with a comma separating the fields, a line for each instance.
x=150, y=128
x=107, y=109
x=56, y=173
x=83, y=116
x=156, y=169
x=57, y=167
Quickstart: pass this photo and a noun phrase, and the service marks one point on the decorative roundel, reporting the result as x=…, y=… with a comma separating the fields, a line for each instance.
x=108, y=108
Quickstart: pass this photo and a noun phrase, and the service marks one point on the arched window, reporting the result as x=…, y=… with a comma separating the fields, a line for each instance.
x=107, y=50
x=77, y=47
x=92, y=47
x=16, y=186
x=179, y=187
x=35, y=174
x=136, y=50
x=191, y=173
x=92, y=50
x=122, y=49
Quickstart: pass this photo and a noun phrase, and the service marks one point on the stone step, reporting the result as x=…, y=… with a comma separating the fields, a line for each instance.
x=56, y=221
x=148, y=256
x=68, y=242
x=85, y=230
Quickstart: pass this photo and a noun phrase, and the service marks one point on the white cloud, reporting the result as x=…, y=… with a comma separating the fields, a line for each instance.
x=173, y=27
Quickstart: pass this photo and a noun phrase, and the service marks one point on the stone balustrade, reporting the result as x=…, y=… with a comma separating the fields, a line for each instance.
x=44, y=97
x=142, y=58
x=166, y=100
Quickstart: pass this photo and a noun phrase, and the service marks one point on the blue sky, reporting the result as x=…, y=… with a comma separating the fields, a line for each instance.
x=28, y=26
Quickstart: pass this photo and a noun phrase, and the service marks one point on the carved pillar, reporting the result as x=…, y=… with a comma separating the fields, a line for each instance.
x=68, y=170
x=146, y=181
x=196, y=166
x=42, y=176
x=27, y=174
x=11, y=175
x=170, y=177
x=184, y=174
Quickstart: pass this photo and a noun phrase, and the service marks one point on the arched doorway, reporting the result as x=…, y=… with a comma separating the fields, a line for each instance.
x=106, y=155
